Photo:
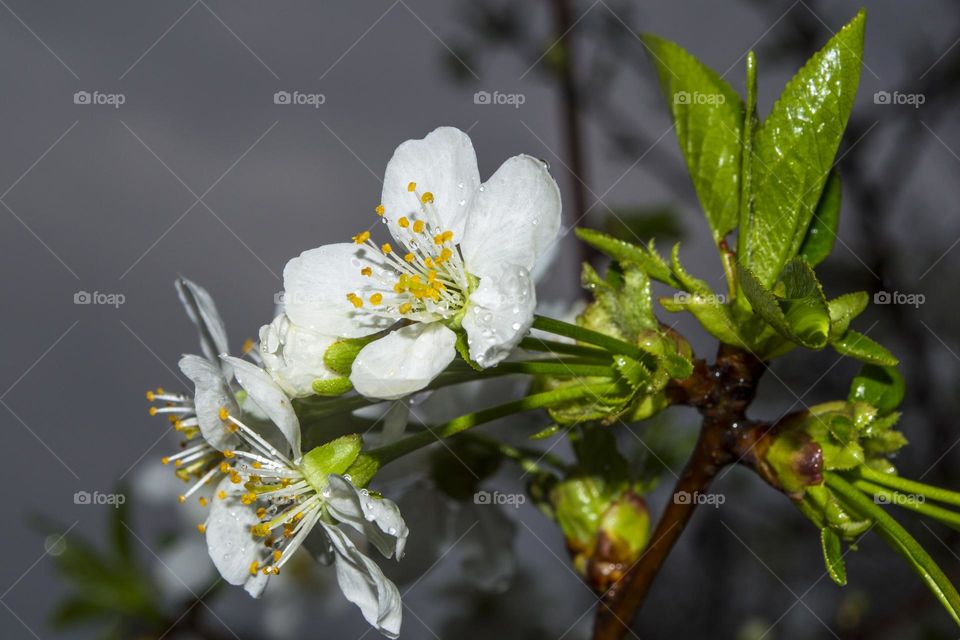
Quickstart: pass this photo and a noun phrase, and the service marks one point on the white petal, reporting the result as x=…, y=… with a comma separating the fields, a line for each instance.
x=210, y=395
x=293, y=355
x=231, y=545
x=513, y=218
x=443, y=163
x=363, y=584
x=199, y=306
x=499, y=314
x=378, y=519
x=404, y=361
x=317, y=282
x=395, y=422
x=270, y=398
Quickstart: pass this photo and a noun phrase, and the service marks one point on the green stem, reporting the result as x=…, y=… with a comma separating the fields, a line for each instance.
x=901, y=542
x=535, y=401
x=904, y=485
x=947, y=517
x=554, y=346
x=590, y=336
x=527, y=459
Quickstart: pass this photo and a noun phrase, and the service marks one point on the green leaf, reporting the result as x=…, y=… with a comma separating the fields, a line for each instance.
x=795, y=148
x=881, y=387
x=712, y=312
x=833, y=556
x=708, y=115
x=622, y=305
x=822, y=233
x=843, y=309
x=800, y=313
x=626, y=253
x=856, y=345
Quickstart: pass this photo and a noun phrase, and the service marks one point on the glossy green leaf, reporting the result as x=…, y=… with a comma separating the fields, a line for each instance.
x=645, y=258
x=799, y=313
x=843, y=309
x=822, y=233
x=794, y=150
x=856, y=345
x=881, y=387
x=833, y=556
x=708, y=117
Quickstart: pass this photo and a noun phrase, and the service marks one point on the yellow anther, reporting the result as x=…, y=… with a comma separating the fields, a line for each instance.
x=446, y=254
x=254, y=568
x=412, y=187
x=222, y=494
x=431, y=276
x=177, y=463
x=403, y=222
x=406, y=307
x=261, y=512
x=150, y=396
x=224, y=414
x=164, y=460
x=438, y=239
x=362, y=237
x=235, y=478
x=409, y=257
x=153, y=411
x=232, y=428
x=376, y=298
x=202, y=528
x=386, y=248
x=227, y=453
x=202, y=501
x=426, y=198
x=366, y=271
x=429, y=262
x=182, y=499
x=447, y=235
x=277, y=555
x=247, y=346
x=379, y=209
x=260, y=530
x=256, y=465
x=355, y=300
x=419, y=226
x=225, y=468
x=248, y=498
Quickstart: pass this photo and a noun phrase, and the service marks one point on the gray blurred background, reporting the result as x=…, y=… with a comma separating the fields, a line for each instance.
x=200, y=173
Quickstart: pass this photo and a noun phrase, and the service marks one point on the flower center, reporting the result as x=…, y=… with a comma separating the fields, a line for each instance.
x=422, y=278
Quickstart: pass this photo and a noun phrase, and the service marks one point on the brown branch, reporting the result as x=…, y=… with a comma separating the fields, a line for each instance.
x=721, y=393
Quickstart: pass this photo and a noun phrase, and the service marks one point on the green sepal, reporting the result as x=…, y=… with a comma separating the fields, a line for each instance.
x=463, y=348
x=545, y=432
x=833, y=556
x=363, y=469
x=332, y=386
x=340, y=355
x=333, y=457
